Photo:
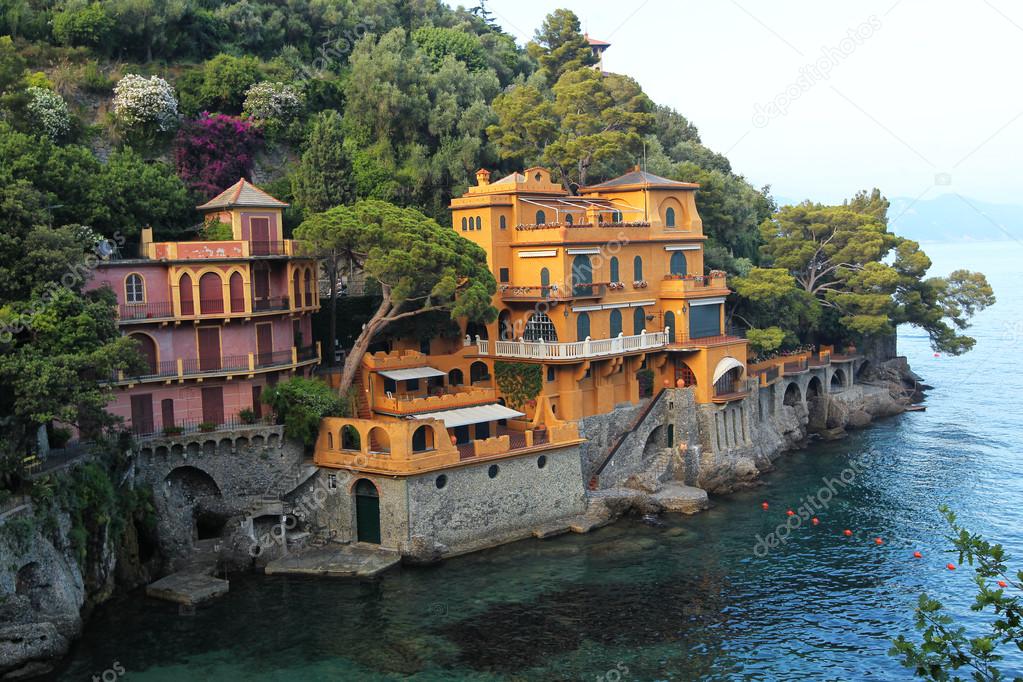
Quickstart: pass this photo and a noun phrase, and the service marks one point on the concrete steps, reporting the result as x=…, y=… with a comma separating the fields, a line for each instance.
x=336, y=561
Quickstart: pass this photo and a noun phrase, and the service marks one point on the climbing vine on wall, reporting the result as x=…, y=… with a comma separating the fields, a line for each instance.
x=519, y=382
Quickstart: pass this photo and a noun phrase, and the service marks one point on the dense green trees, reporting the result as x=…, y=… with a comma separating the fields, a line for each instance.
x=421, y=267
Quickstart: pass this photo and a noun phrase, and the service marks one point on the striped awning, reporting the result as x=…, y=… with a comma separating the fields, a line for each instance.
x=413, y=373
x=478, y=414
x=726, y=365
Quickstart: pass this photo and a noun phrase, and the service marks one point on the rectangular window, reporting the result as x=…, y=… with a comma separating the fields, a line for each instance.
x=390, y=385
x=550, y=373
x=412, y=384
x=504, y=275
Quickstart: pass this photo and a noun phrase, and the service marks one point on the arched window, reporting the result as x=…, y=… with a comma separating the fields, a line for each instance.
x=296, y=283
x=669, y=217
x=582, y=275
x=669, y=322
x=616, y=323
x=455, y=377
x=505, y=328
x=478, y=371
x=582, y=327
x=678, y=262
x=422, y=439
x=211, y=293
x=237, y=288
x=540, y=328
x=479, y=223
x=379, y=441
x=545, y=282
x=308, y=287
x=134, y=289
x=569, y=220
x=147, y=348
x=638, y=320
x=502, y=222
x=615, y=275
x=350, y=438
x=464, y=225
x=637, y=268
x=330, y=440
x=541, y=218
x=185, y=295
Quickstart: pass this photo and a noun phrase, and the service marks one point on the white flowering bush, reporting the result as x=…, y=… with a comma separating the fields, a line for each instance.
x=272, y=104
x=50, y=112
x=145, y=103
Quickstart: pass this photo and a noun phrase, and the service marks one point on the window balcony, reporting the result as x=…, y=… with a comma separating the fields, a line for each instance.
x=577, y=350
x=553, y=292
x=163, y=311
x=686, y=285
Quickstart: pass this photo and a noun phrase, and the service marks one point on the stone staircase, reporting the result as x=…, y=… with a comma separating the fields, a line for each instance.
x=362, y=406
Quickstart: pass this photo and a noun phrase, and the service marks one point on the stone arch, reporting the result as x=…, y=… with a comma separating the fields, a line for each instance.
x=30, y=582
x=193, y=449
x=257, y=441
x=273, y=440
x=456, y=377
x=190, y=487
x=793, y=396
x=349, y=438
x=838, y=381
x=816, y=403
x=177, y=450
x=242, y=443
x=209, y=448
x=225, y=445
x=423, y=439
x=655, y=442
x=864, y=371
x=161, y=451
x=379, y=440
x=194, y=480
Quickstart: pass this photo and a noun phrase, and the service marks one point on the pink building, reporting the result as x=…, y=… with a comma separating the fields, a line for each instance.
x=218, y=321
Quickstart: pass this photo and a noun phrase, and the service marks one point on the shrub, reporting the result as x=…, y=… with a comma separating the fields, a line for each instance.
x=145, y=104
x=272, y=105
x=83, y=24
x=49, y=113
x=213, y=151
x=214, y=230
x=248, y=416
x=172, y=430
x=765, y=340
x=207, y=427
x=94, y=80
x=58, y=436
x=225, y=81
x=300, y=403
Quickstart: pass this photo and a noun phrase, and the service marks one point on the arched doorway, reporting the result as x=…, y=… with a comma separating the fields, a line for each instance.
x=367, y=512
x=478, y=372
x=582, y=275
x=616, y=323
x=669, y=323
x=505, y=328
x=539, y=327
x=837, y=380
x=185, y=297
x=211, y=294
x=816, y=404
x=147, y=348
x=684, y=374
x=237, y=289
x=582, y=327
x=638, y=320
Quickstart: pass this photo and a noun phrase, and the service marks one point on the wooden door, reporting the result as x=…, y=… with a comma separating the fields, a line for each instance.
x=261, y=287
x=142, y=413
x=259, y=235
x=213, y=405
x=264, y=343
x=167, y=412
x=209, y=348
x=257, y=401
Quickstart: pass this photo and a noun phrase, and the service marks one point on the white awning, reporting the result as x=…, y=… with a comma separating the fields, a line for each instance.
x=472, y=415
x=414, y=373
x=724, y=366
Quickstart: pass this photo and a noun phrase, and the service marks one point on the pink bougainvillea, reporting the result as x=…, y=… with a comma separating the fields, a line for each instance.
x=213, y=151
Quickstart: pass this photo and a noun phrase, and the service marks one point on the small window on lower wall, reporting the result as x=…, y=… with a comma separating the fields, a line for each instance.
x=550, y=373
x=493, y=470
x=541, y=461
x=441, y=481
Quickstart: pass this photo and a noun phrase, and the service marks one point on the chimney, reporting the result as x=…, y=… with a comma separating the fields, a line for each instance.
x=482, y=177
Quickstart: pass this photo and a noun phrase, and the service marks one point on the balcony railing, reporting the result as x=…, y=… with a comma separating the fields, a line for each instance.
x=146, y=311
x=183, y=368
x=590, y=348
x=188, y=426
x=796, y=366
x=268, y=248
x=729, y=335
x=448, y=398
x=261, y=305
x=553, y=292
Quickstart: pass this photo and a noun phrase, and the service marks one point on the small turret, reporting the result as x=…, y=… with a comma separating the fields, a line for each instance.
x=482, y=177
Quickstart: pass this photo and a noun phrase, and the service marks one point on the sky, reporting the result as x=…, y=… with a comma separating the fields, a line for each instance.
x=820, y=99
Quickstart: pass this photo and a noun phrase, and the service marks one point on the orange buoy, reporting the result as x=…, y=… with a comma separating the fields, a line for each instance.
x=815, y=520
x=790, y=513
x=917, y=555
x=1001, y=583
x=878, y=541
x=847, y=532
x=765, y=506
x=950, y=567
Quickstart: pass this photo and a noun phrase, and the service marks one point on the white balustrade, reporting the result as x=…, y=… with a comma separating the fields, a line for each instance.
x=590, y=348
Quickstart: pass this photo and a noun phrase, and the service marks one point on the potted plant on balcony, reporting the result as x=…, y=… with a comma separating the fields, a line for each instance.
x=248, y=416
x=172, y=430
x=207, y=427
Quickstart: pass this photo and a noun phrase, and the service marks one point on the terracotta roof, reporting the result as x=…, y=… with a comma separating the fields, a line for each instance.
x=596, y=43
x=642, y=178
x=242, y=193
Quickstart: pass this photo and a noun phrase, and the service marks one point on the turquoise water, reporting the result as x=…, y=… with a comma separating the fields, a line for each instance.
x=632, y=602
